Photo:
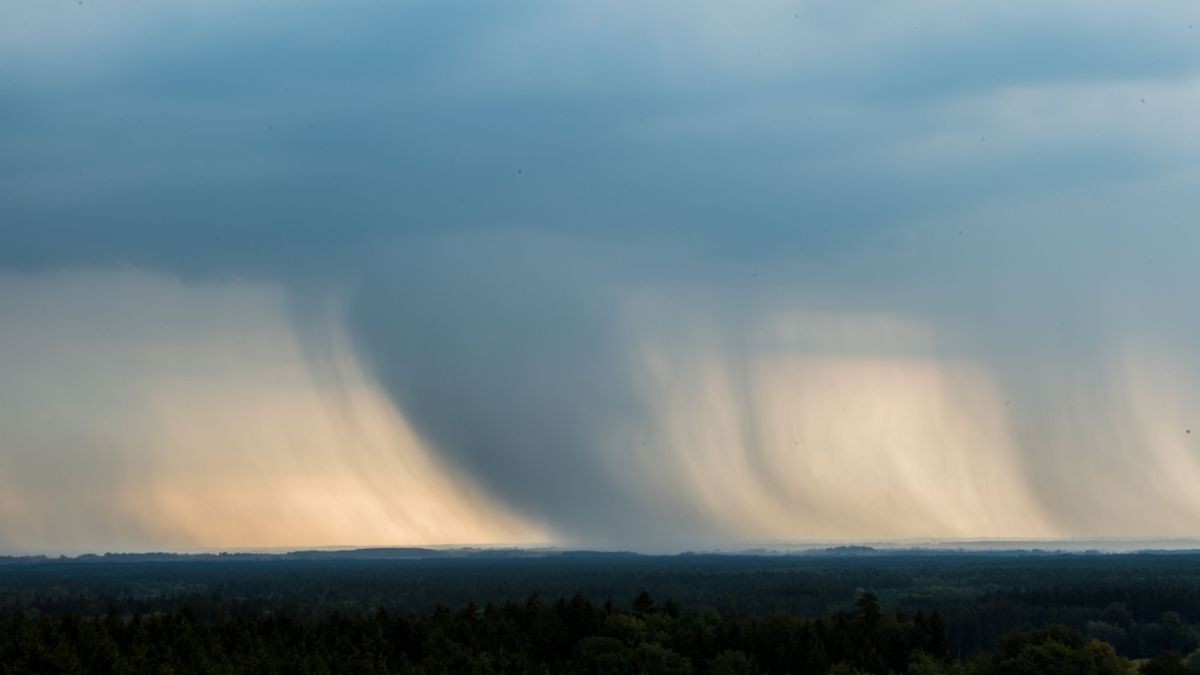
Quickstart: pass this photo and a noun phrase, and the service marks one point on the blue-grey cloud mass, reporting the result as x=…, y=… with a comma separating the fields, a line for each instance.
x=660, y=274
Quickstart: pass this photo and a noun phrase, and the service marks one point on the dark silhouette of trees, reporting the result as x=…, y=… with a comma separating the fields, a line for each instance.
x=602, y=613
x=565, y=636
x=1167, y=663
x=643, y=604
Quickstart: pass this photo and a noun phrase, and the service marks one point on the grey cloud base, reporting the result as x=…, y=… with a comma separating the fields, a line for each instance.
x=498, y=191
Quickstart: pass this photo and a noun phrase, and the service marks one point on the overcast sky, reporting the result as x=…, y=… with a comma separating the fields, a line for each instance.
x=649, y=275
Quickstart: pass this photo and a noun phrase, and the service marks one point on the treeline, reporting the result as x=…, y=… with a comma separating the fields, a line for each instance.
x=565, y=636
x=1142, y=604
x=1133, y=630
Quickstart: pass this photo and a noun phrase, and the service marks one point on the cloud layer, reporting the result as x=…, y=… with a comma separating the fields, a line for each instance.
x=685, y=274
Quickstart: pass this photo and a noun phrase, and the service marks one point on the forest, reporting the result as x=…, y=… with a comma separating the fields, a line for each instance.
x=857, y=611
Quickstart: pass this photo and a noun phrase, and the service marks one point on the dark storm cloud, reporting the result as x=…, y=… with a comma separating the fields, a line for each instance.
x=487, y=183
x=202, y=141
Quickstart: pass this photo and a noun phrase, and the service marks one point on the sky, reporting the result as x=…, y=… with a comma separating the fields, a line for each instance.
x=658, y=276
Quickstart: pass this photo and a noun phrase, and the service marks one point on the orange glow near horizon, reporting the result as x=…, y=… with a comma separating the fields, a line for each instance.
x=222, y=433
x=203, y=421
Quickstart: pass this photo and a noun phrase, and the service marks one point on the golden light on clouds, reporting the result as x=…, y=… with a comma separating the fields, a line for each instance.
x=798, y=442
x=144, y=413
x=208, y=425
x=809, y=426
